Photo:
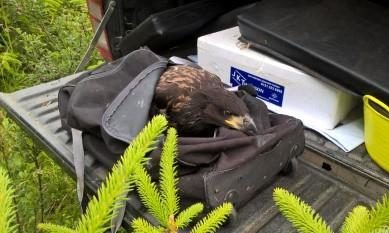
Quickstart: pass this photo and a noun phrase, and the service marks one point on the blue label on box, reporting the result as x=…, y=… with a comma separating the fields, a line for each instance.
x=266, y=90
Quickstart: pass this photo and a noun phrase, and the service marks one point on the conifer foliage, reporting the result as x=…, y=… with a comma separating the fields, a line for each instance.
x=7, y=214
x=305, y=219
x=102, y=208
x=162, y=201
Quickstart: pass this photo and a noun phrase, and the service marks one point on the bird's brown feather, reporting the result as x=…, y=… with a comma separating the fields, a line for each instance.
x=178, y=82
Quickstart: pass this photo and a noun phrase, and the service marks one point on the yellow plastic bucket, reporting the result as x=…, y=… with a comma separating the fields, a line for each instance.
x=376, y=121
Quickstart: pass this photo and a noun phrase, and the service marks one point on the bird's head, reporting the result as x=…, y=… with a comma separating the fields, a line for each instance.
x=220, y=107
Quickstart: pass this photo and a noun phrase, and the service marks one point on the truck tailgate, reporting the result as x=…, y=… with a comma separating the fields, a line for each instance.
x=345, y=181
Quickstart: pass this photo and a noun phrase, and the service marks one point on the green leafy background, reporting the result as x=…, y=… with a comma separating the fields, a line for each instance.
x=40, y=40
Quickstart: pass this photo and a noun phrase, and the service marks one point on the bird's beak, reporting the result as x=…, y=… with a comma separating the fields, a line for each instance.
x=243, y=123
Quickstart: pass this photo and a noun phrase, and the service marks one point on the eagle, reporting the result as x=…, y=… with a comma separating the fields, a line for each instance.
x=196, y=102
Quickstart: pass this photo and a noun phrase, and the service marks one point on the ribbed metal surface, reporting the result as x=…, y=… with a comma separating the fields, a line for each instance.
x=330, y=197
x=36, y=109
x=357, y=160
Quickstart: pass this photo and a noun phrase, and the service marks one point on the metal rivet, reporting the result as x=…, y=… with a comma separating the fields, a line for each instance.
x=217, y=190
x=231, y=196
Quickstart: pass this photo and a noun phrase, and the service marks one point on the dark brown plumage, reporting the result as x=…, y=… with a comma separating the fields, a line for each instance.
x=195, y=102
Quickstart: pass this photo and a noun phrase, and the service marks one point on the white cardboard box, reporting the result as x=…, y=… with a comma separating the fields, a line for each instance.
x=283, y=88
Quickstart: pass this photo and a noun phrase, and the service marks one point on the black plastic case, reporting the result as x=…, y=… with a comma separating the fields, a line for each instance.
x=342, y=42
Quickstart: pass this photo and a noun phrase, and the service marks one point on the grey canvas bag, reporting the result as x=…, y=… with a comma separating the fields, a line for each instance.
x=106, y=108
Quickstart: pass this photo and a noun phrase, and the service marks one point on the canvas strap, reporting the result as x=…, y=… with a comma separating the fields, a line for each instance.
x=79, y=166
x=79, y=162
x=117, y=221
x=78, y=149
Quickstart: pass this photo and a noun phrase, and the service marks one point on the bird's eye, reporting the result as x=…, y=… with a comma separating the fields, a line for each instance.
x=227, y=113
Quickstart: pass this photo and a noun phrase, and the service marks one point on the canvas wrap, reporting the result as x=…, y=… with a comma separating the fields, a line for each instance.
x=111, y=104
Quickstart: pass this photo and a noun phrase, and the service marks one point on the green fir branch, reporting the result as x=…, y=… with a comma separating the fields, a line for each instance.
x=187, y=215
x=382, y=230
x=53, y=228
x=78, y=3
x=149, y=195
x=163, y=204
x=301, y=215
x=356, y=221
x=101, y=209
x=214, y=219
x=7, y=213
x=168, y=174
x=52, y=6
x=379, y=215
x=140, y=225
x=9, y=62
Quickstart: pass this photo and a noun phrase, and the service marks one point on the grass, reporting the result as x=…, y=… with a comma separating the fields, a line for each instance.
x=40, y=40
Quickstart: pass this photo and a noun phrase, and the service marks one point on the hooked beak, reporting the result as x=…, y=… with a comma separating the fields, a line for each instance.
x=243, y=123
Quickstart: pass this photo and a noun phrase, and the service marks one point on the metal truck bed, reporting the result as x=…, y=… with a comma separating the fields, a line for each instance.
x=332, y=181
